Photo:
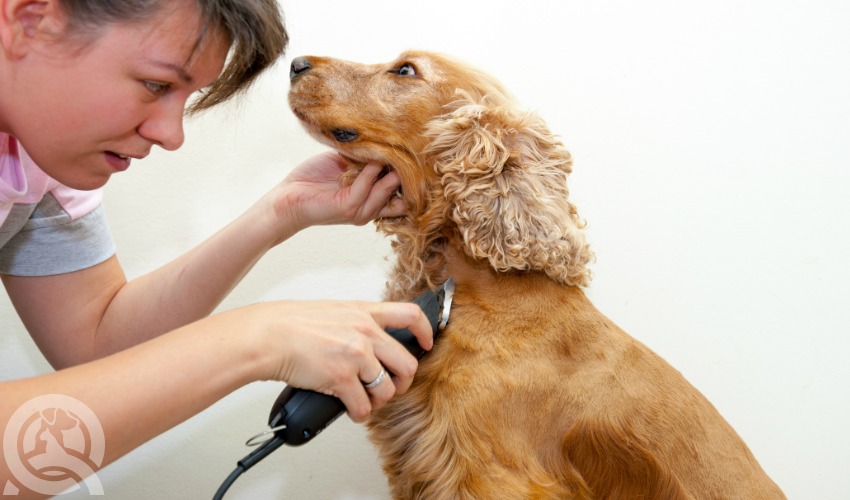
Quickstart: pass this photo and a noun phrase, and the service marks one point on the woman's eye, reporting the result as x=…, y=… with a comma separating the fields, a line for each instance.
x=157, y=88
x=406, y=70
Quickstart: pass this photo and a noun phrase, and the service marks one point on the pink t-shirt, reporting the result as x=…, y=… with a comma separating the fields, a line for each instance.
x=21, y=181
x=45, y=227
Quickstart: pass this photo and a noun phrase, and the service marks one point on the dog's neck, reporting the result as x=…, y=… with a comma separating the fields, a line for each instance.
x=524, y=296
x=461, y=266
x=465, y=269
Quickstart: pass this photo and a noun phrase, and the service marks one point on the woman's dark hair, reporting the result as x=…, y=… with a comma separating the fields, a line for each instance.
x=255, y=27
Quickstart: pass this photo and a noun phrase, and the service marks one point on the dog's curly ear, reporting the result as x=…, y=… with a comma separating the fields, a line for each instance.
x=504, y=176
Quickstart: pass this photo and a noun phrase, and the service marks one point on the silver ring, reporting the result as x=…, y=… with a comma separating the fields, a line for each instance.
x=380, y=378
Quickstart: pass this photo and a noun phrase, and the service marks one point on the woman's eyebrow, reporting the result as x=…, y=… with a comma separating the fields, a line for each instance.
x=176, y=68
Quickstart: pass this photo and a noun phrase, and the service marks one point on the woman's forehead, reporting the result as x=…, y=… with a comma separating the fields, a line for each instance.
x=177, y=35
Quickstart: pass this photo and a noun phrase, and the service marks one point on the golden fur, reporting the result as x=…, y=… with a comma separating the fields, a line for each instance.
x=530, y=391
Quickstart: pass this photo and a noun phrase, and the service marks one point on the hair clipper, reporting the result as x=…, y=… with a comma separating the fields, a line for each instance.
x=298, y=415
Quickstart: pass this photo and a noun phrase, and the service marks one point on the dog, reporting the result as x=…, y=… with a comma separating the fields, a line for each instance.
x=530, y=391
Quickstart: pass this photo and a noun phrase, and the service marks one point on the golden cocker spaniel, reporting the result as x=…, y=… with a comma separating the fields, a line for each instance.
x=530, y=392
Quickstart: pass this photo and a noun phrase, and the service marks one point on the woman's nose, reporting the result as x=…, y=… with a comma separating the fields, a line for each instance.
x=164, y=127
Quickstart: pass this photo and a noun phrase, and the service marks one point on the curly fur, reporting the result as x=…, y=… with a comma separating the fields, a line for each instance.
x=505, y=177
x=530, y=391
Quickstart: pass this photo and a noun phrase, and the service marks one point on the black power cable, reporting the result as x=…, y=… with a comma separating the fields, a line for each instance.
x=246, y=463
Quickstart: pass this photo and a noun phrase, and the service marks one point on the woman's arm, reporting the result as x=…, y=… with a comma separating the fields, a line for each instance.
x=327, y=346
x=80, y=316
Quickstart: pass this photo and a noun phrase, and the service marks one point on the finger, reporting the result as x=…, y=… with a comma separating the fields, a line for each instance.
x=363, y=184
x=353, y=393
x=405, y=315
x=372, y=382
x=382, y=192
x=400, y=364
x=396, y=207
x=352, y=390
x=392, y=353
x=356, y=400
x=380, y=388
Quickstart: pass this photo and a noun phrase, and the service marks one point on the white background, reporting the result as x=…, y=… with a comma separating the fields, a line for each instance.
x=711, y=144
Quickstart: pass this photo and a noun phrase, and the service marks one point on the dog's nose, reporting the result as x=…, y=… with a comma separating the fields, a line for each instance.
x=299, y=65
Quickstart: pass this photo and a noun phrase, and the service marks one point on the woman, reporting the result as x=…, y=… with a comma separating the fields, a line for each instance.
x=86, y=86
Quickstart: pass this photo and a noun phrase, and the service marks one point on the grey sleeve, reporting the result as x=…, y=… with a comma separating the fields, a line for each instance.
x=52, y=243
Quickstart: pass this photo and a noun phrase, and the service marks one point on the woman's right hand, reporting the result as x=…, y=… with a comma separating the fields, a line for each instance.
x=335, y=347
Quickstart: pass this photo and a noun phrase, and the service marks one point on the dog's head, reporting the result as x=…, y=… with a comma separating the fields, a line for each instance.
x=474, y=169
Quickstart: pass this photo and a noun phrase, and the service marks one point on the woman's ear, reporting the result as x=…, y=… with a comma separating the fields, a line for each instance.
x=23, y=22
x=504, y=176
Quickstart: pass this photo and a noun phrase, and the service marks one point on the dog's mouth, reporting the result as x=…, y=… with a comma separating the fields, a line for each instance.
x=340, y=135
x=355, y=149
x=329, y=135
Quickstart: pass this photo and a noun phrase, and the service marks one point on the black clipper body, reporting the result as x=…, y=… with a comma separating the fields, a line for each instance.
x=298, y=415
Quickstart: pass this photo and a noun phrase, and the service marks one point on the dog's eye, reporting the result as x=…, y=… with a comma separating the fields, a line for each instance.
x=405, y=70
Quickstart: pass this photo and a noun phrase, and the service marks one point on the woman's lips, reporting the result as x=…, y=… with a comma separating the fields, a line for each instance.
x=117, y=161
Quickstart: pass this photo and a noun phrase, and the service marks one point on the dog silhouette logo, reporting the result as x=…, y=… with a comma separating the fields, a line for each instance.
x=52, y=444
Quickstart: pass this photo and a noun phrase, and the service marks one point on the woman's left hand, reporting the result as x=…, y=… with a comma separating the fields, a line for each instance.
x=311, y=195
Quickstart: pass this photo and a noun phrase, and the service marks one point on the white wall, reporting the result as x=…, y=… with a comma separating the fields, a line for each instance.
x=712, y=150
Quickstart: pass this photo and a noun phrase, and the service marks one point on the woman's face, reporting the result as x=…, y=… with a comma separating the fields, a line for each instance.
x=83, y=114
